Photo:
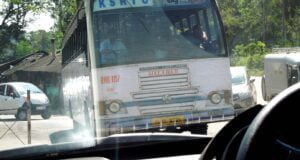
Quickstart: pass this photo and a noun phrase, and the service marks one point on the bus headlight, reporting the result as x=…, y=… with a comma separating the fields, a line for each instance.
x=215, y=98
x=114, y=107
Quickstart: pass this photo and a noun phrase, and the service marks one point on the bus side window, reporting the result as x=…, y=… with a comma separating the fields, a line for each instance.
x=185, y=25
x=2, y=89
x=178, y=28
x=193, y=21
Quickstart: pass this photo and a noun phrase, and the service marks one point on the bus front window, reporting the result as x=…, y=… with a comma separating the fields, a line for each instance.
x=131, y=36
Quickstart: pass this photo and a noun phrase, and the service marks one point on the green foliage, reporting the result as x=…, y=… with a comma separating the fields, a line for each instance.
x=254, y=27
x=274, y=22
x=63, y=12
x=23, y=48
x=41, y=40
x=250, y=55
x=12, y=23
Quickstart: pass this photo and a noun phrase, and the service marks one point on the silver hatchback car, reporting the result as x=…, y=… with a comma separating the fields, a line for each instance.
x=244, y=92
x=13, y=100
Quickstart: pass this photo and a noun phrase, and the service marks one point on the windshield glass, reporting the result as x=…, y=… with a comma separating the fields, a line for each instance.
x=23, y=88
x=102, y=68
x=238, y=79
x=152, y=34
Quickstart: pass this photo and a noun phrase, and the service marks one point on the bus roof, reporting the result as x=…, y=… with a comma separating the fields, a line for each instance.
x=292, y=58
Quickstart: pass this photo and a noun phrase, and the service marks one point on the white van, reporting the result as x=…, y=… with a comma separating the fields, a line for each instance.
x=282, y=70
x=13, y=97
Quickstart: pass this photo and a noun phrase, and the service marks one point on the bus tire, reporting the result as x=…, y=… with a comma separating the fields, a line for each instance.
x=263, y=88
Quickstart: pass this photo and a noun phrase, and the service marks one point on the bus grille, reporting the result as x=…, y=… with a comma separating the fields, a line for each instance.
x=164, y=77
x=165, y=83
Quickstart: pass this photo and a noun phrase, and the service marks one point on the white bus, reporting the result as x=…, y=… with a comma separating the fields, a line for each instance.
x=136, y=65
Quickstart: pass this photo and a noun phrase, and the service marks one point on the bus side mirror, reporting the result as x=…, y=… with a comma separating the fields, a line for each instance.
x=252, y=81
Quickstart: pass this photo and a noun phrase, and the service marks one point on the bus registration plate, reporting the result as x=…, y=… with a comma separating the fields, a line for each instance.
x=168, y=121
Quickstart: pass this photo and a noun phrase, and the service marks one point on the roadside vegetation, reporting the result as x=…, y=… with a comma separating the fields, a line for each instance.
x=254, y=27
x=15, y=41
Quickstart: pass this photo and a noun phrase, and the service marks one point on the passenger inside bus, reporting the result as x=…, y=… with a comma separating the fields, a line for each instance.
x=197, y=36
x=112, y=48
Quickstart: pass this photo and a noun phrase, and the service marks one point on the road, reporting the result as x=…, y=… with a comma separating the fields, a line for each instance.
x=41, y=129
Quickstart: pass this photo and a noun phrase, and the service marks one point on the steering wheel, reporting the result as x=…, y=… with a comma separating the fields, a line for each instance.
x=223, y=145
x=274, y=133
x=268, y=132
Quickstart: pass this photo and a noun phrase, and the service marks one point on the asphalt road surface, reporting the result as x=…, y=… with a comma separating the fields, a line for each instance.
x=17, y=136
x=41, y=129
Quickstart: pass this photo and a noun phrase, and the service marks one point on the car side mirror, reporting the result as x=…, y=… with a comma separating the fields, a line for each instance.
x=252, y=80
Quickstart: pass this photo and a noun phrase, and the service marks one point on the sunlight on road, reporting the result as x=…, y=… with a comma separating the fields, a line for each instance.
x=214, y=128
x=41, y=129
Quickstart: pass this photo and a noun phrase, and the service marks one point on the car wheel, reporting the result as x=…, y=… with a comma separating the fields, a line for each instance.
x=46, y=114
x=263, y=88
x=21, y=115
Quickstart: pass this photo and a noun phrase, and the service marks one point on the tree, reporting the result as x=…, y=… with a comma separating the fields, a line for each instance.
x=41, y=40
x=23, y=48
x=32, y=42
x=63, y=11
x=274, y=22
x=254, y=26
x=13, y=13
x=242, y=19
x=250, y=55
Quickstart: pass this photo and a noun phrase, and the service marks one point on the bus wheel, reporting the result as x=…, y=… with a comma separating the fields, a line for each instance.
x=46, y=114
x=199, y=129
x=263, y=88
x=21, y=115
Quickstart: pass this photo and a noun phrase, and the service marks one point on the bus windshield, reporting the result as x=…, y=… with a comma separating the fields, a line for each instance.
x=152, y=34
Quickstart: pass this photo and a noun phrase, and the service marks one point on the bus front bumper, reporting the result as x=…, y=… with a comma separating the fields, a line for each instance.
x=161, y=121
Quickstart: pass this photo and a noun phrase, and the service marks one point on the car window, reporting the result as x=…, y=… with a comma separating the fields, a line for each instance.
x=238, y=78
x=22, y=88
x=9, y=90
x=2, y=90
